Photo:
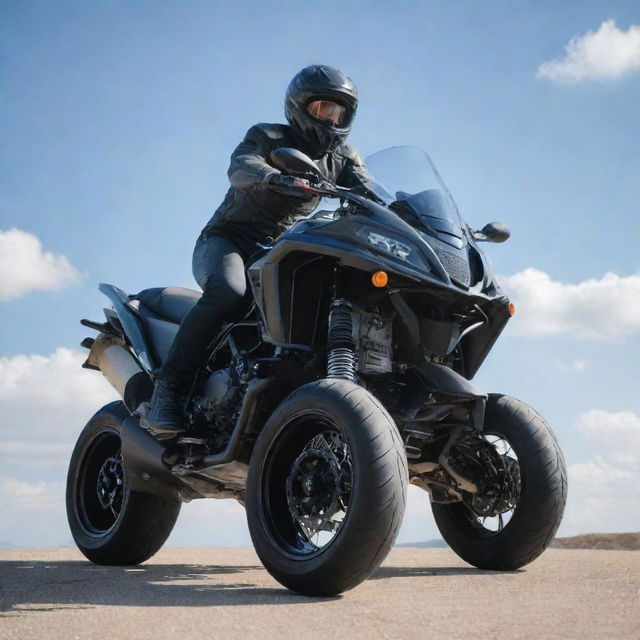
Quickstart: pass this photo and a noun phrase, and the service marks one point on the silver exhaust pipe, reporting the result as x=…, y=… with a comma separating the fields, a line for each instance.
x=113, y=358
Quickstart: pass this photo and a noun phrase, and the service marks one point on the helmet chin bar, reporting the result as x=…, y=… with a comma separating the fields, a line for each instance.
x=322, y=141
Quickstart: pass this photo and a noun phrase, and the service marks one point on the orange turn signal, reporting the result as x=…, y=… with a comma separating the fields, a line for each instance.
x=512, y=309
x=380, y=279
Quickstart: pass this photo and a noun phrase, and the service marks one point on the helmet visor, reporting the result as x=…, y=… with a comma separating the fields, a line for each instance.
x=328, y=111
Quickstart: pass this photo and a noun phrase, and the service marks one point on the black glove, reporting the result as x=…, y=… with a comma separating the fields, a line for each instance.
x=289, y=185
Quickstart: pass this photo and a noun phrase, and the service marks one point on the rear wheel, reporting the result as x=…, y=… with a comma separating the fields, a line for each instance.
x=512, y=520
x=110, y=523
x=326, y=488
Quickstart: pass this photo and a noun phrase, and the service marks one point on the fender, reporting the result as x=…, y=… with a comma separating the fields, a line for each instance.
x=131, y=324
x=445, y=381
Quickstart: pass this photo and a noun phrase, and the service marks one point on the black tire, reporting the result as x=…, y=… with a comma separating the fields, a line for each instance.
x=377, y=488
x=135, y=525
x=542, y=499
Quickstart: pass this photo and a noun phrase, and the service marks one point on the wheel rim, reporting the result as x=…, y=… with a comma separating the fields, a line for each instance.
x=306, y=486
x=101, y=484
x=493, y=508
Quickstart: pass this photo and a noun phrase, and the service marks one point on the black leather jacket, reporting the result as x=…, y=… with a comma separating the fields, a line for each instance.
x=251, y=212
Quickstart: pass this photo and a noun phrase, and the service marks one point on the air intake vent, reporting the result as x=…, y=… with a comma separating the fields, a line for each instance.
x=456, y=266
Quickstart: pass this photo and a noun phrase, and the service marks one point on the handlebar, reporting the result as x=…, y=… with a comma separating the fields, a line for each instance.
x=324, y=187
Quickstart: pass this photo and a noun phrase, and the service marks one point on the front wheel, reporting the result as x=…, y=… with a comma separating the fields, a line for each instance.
x=111, y=524
x=511, y=522
x=326, y=488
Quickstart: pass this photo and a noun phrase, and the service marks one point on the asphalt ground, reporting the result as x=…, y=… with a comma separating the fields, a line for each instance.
x=213, y=593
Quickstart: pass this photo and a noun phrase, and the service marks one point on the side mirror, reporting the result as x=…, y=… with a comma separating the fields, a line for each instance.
x=294, y=162
x=492, y=232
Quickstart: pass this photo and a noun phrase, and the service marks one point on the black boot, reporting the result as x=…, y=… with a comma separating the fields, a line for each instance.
x=165, y=418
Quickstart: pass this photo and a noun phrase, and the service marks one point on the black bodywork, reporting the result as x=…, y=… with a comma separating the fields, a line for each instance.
x=416, y=343
x=434, y=306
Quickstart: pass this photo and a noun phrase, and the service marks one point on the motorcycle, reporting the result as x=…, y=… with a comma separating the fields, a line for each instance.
x=348, y=377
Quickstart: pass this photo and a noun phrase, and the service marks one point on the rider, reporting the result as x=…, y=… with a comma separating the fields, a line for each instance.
x=262, y=203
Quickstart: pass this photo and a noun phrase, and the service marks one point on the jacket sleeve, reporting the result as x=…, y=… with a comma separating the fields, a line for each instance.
x=354, y=172
x=249, y=168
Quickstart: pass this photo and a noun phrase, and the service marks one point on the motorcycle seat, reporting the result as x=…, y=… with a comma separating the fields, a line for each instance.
x=170, y=303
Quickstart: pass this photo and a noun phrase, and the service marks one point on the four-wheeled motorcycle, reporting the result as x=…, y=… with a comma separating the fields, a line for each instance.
x=347, y=378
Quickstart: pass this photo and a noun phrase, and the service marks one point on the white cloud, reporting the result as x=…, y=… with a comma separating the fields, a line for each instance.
x=605, y=308
x=45, y=402
x=574, y=366
x=25, y=267
x=33, y=513
x=608, y=53
x=603, y=489
x=620, y=430
x=30, y=496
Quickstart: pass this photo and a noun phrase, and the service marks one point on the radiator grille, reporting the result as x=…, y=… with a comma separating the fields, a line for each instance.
x=455, y=266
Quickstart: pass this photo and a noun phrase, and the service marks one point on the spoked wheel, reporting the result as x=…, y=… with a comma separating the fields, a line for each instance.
x=326, y=488
x=521, y=496
x=318, y=486
x=110, y=523
x=491, y=509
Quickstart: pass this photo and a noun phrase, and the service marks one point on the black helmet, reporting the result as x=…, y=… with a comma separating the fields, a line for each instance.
x=325, y=87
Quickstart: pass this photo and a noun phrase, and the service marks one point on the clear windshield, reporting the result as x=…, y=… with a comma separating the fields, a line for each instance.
x=407, y=179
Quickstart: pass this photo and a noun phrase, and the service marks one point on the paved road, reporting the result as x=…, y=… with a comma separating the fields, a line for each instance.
x=224, y=593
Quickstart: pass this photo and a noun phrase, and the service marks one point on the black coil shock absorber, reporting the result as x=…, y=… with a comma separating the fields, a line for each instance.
x=341, y=349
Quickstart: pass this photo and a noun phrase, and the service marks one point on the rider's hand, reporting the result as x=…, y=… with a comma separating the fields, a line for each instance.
x=289, y=185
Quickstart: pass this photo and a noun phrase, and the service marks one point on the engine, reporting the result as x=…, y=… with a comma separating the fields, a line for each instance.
x=215, y=407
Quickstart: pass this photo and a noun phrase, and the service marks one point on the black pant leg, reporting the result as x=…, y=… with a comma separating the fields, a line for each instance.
x=219, y=268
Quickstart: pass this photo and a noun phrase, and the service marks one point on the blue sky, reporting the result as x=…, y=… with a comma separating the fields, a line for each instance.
x=119, y=119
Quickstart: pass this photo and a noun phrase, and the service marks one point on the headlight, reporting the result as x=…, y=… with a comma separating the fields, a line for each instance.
x=389, y=245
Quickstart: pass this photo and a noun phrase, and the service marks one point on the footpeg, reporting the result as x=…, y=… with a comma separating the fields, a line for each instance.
x=192, y=441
